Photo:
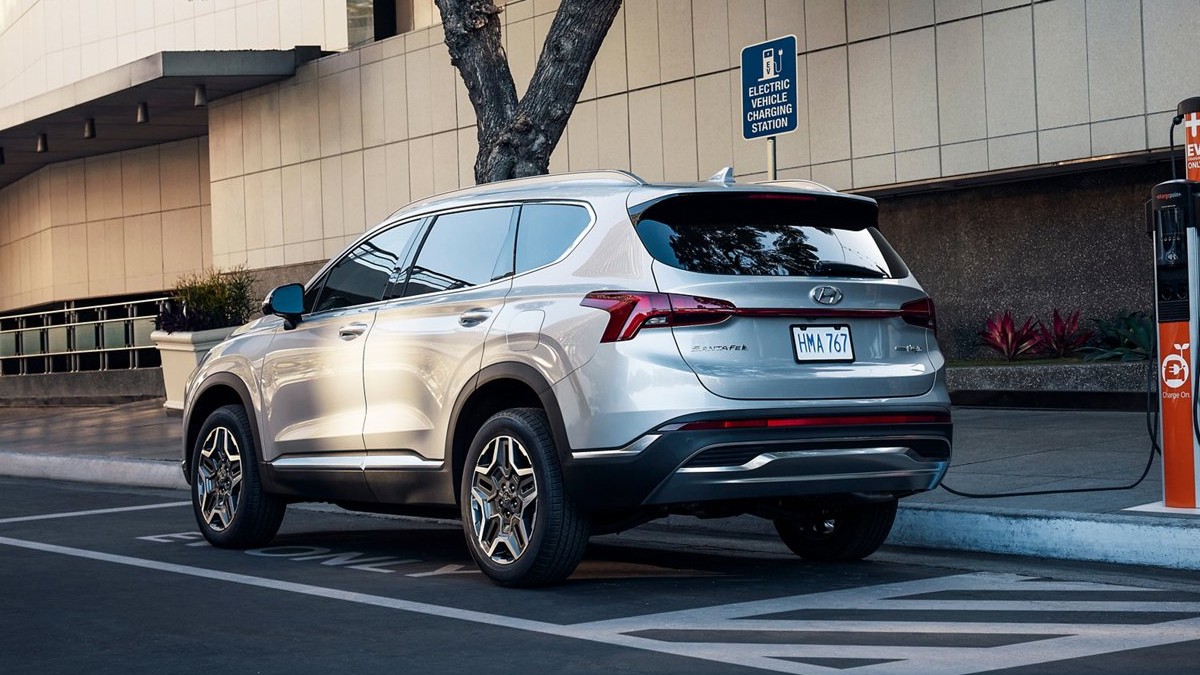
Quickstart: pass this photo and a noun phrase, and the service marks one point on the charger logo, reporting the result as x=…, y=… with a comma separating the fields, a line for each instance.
x=1175, y=368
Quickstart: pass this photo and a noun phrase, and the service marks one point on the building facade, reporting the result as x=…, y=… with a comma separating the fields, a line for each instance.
x=1011, y=143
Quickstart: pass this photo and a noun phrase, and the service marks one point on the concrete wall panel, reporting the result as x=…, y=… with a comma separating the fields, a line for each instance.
x=824, y=23
x=914, y=90
x=910, y=14
x=1116, y=86
x=871, y=115
x=1060, y=42
x=961, y=100
x=828, y=105
x=1009, y=73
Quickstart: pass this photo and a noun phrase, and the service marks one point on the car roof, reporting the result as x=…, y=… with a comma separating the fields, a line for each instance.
x=600, y=184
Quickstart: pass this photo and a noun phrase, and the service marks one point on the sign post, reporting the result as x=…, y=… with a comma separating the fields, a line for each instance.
x=769, y=93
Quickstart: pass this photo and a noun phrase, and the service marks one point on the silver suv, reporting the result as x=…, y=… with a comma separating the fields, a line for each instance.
x=561, y=356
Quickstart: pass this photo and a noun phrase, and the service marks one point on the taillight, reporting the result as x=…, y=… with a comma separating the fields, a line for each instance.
x=920, y=313
x=631, y=311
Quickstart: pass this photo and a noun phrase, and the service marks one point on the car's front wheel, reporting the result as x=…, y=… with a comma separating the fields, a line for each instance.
x=228, y=499
x=839, y=534
x=521, y=527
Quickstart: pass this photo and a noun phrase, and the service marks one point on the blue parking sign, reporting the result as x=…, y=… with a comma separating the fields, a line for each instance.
x=769, y=88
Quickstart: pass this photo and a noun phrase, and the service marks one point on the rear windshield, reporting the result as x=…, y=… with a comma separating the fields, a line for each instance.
x=768, y=234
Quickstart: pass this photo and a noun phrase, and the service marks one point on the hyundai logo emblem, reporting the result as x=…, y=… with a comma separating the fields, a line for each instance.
x=826, y=295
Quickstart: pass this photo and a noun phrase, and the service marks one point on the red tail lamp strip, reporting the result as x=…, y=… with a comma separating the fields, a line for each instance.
x=791, y=422
x=630, y=311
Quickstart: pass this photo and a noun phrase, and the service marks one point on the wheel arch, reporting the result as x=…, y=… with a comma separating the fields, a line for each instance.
x=499, y=387
x=220, y=389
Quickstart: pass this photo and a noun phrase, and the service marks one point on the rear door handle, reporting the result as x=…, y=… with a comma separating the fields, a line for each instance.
x=474, y=317
x=351, y=331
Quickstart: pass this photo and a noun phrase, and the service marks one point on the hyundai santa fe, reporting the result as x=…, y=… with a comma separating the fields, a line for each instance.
x=554, y=357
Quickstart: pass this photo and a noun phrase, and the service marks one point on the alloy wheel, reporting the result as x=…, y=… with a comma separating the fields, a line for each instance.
x=219, y=478
x=503, y=499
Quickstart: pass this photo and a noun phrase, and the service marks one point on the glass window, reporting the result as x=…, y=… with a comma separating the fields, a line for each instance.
x=362, y=276
x=464, y=249
x=769, y=234
x=546, y=231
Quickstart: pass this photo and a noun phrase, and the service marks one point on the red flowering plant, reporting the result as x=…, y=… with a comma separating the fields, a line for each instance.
x=1002, y=335
x=1063, y=337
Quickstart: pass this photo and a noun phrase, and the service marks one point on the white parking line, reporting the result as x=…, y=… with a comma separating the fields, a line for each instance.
x=274, y=584
x=95, y=512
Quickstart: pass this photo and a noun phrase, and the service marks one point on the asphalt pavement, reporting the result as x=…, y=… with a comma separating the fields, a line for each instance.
x=997, y=451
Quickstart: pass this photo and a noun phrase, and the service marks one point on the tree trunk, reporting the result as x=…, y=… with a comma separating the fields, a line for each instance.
x=516, y=138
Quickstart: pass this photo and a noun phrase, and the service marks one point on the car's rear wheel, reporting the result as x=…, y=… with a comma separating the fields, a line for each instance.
x=521, y=527
x=841, y=534
x=230, y=505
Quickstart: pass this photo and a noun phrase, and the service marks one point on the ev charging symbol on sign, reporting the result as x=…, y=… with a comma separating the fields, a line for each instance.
x=1175, y=368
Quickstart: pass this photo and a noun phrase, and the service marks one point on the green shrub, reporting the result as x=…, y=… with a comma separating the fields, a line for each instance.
x=209, y=299
x=1127, y=337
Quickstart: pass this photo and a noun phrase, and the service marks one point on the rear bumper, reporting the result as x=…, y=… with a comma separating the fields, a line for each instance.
x=666, y=467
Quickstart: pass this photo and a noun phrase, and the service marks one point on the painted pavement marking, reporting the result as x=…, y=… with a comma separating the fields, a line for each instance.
x=795, y=645
x=95, y=512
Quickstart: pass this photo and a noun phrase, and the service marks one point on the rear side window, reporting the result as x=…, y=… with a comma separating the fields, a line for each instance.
x=769, y=234
x=546, y=231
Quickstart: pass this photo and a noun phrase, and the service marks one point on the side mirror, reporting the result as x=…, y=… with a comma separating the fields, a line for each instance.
x=286, y=301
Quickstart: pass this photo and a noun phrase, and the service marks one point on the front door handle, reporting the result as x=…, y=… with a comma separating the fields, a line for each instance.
x=474, y=317
x=352, y=330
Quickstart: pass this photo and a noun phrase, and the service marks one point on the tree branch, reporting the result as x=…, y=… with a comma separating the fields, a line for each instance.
x=472, y=30
x=517, y=138
x=574, y=39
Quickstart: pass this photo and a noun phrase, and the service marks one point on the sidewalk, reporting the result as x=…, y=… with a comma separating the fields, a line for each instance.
x=996, y=451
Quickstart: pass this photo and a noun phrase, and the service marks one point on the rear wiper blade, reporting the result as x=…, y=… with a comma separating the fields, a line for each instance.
x=833, y=268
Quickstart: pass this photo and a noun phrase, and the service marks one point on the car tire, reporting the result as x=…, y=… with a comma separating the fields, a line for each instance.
x=521, y=527
x=838, y=535
x=228, y=500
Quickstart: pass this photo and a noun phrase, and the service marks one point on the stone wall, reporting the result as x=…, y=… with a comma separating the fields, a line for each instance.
x=1070, y=242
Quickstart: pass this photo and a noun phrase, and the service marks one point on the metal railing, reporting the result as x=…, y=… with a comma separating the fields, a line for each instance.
x=80, y=338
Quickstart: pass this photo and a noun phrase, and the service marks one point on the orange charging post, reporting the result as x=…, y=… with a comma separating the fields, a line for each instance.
x=1172, y=215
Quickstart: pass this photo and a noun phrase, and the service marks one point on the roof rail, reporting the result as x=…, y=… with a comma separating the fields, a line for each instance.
x=598, y=177
x=800, y=183
x=603, y=176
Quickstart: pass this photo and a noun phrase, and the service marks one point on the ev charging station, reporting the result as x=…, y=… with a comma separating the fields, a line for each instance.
x=1172, y=215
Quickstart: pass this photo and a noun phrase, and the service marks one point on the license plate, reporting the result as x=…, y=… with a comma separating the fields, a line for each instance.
x=822, y=343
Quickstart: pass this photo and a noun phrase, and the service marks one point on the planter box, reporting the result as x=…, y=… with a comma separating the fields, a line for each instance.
x=181, y=353
x=1120, y=385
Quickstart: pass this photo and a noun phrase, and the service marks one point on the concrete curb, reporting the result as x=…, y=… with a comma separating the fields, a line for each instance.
x=153, y=473
x=1126, y=539
x=1133, y=539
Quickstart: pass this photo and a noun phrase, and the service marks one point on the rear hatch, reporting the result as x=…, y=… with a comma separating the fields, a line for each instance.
x=804, y=297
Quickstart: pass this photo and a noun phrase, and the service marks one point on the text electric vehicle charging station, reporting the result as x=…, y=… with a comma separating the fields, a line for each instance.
x=1171, y=217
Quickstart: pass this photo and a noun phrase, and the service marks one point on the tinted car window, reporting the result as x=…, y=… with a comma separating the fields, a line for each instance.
x=769, y=234
x=546, y=231
x=463, y=249
x=362, y=275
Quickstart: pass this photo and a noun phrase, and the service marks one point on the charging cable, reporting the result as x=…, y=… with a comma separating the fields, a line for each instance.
x=1151, y=429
